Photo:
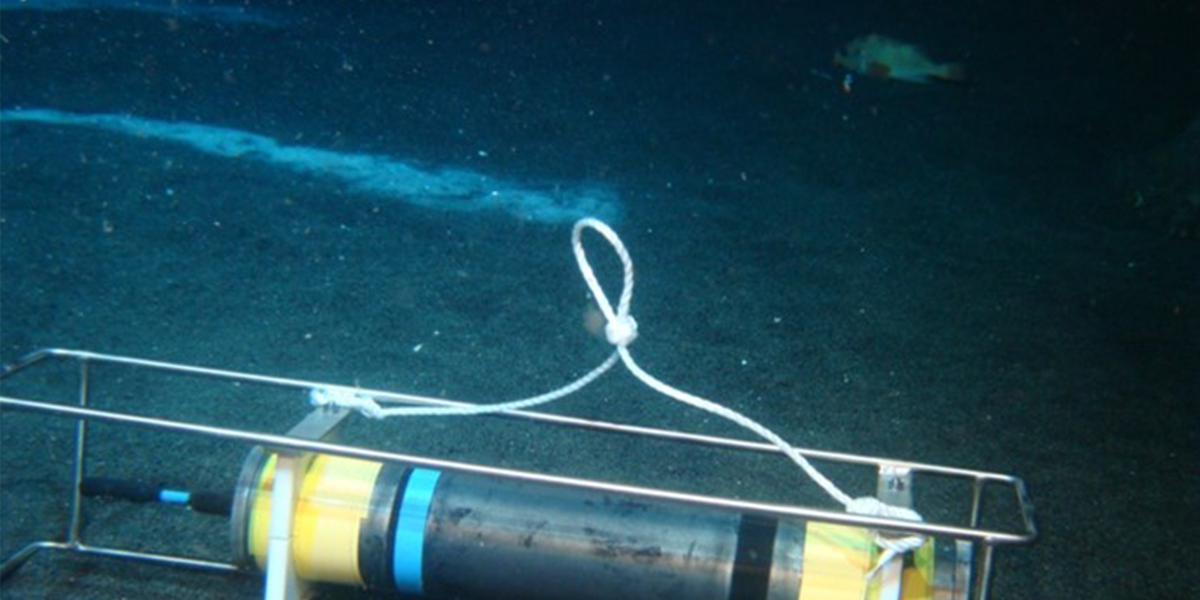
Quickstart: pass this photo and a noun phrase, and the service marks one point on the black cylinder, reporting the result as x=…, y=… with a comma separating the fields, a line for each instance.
x=447, y=534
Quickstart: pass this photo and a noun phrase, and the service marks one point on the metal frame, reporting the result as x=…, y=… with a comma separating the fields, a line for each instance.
x=983, y=541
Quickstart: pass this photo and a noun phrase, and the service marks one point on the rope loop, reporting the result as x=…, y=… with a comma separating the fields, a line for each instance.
x=620, y=328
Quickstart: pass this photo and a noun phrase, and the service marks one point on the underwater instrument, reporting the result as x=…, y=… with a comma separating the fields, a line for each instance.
x=306, y=510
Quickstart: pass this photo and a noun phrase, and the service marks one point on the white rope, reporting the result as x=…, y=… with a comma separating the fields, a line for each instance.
x=621, y=330
x=369, y=407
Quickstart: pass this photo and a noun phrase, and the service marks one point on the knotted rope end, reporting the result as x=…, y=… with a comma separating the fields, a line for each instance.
x=337, y=397
x=893, y=545
x=621, y=330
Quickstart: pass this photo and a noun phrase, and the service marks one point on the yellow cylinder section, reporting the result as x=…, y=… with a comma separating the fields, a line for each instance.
x=837, y=559
x=334, y=499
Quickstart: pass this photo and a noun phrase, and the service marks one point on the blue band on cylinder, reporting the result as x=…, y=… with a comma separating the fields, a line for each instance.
x=410, y=530
x=174, y=497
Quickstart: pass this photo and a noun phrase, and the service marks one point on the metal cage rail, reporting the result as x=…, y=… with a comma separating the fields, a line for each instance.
x=983, y=541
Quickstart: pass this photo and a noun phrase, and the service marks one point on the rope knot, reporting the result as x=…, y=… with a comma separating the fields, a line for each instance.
x=621, y=330
x=893, y=544
x=336, y=397
x=874, y=507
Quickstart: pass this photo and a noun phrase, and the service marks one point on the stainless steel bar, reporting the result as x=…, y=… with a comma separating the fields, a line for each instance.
x=180, y=561
x=25, y=362
x=387, y=396
x=14, y=562
x=18, y=559
x=76, y=523
x=983, y=571
x=976, y=501
x=279, y=441
x=1028, y=510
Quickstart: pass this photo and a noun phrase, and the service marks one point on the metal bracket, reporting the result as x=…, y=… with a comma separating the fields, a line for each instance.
x=896, y=478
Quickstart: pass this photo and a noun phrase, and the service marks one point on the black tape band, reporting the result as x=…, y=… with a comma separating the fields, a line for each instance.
x=376, y=534
x=752, y=561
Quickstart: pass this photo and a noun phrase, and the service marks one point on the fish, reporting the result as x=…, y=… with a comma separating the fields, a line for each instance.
x=887, y=58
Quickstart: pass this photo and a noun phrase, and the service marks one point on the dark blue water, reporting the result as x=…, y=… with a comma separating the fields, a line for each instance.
x=999, y=274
